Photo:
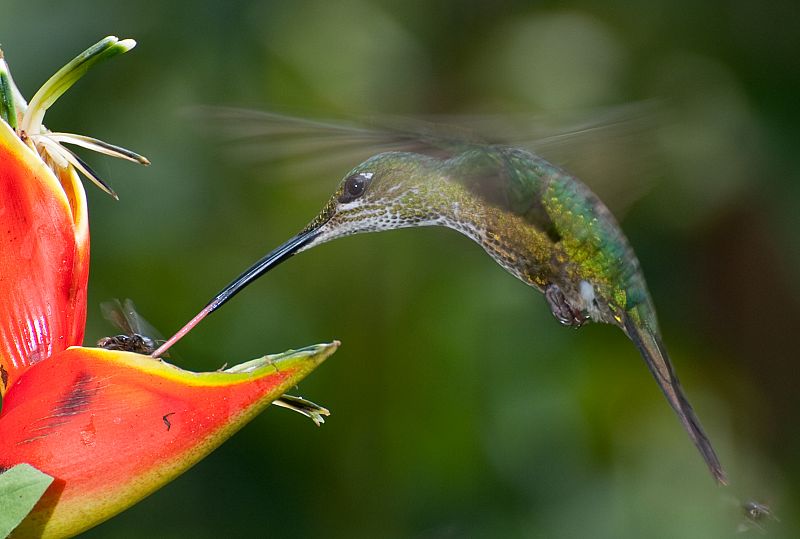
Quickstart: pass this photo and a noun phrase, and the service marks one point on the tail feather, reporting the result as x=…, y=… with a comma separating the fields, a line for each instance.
x=655, y=354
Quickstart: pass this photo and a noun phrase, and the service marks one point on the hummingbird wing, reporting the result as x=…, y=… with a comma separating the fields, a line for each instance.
x=655, y=355
x=275, y=136
x=260, y=136
x=610, y=147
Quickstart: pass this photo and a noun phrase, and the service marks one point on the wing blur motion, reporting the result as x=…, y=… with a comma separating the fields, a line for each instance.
x=613, y=148
x=124, y=316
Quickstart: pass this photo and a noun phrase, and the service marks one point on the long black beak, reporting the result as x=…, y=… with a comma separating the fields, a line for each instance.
x=284, y=252
x=255, y=271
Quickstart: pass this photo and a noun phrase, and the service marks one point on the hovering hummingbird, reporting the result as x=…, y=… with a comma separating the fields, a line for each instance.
x=537, y=221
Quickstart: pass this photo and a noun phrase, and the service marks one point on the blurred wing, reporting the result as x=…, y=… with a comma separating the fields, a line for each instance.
x=610, y=150
x=114, y=312
x=268, y=136
x=124, y=316
x=139, y=323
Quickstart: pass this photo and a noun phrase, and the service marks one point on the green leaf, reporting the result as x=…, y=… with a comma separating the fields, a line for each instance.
x=68, y=75
x=8, y=111
x=20, y=489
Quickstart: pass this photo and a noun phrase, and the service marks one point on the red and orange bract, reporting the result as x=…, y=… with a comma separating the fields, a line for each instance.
x=44, y=259
x=110, y=427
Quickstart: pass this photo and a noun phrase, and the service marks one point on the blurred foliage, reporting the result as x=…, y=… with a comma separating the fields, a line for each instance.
x=459, y=407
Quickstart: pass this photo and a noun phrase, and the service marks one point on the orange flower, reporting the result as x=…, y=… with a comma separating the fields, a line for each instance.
x=44, y=227
x=109, y=426
x=113, y=427
x=44, y=256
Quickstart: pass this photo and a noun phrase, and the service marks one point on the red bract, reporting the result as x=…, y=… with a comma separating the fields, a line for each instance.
x=44, y=228
x=44, y=259
x=110, y=427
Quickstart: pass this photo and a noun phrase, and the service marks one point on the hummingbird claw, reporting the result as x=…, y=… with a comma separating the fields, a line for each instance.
x=561, y=309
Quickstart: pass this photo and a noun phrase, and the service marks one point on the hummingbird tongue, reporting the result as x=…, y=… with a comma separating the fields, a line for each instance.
x=255, y=271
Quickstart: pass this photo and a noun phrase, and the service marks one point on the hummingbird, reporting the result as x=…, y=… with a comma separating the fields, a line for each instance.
x=536, y=220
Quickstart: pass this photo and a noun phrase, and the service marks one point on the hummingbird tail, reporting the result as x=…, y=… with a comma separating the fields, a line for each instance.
x=655, y=354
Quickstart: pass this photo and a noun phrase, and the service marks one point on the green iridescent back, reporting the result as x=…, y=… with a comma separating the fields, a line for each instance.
x=571, y=215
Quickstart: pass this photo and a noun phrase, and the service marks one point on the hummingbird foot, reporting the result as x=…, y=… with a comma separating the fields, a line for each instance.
x=561, y=309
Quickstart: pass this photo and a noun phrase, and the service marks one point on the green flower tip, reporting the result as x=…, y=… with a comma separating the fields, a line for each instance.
x=49, y=144
x=68, y=75
x=8, y=110
x=126, y=44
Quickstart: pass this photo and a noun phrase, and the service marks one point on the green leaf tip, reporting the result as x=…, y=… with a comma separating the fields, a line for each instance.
x=8, y=111
x=68, y=75
x=20, y=489
x=128, y=44
x=47, y=143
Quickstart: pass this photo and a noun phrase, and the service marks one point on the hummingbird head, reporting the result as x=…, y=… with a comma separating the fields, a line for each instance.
x=390, y=190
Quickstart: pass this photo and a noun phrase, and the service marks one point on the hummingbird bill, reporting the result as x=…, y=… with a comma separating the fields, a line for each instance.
x=536, y=220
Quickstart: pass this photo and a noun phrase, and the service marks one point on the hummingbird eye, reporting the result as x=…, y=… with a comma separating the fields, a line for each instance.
x=354, y=186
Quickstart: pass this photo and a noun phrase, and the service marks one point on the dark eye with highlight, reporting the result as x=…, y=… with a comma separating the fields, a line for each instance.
x=354, y=186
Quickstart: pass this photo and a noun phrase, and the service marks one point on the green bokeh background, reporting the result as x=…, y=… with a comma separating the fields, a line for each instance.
x=460, y=407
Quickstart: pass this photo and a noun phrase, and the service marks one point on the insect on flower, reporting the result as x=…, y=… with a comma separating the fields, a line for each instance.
x=138, y=335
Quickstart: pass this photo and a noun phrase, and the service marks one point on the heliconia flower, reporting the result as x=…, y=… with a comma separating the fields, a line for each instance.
x=109, y=427
x=44, y=228
x=112, y=427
